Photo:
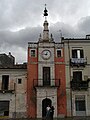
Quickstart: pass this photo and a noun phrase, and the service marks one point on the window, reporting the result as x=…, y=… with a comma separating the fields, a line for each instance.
x=46, y=75
x=33, y=53
x=19, y=81
x=77, y=76
x=77, y=53
x=59, y=54
x=80, y=103
x=5, y=82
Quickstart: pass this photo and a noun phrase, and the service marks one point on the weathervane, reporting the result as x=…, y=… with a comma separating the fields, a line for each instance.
x=45, y=12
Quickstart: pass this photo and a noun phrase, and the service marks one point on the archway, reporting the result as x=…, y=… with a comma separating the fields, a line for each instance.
x=45, y=103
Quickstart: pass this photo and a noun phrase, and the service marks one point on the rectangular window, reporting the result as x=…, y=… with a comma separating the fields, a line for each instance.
x=4, y=108
x=5, y=82
x=46, y=76
x=77, y=53
x=19, y=81
x=32, y=53
x=59, y=53
x=77, y=76
x=80, y=103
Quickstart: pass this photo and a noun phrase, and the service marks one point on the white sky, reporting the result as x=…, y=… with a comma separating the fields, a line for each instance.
x=21, y=21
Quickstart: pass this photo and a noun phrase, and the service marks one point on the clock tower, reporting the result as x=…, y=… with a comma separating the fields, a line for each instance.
x=46, y=75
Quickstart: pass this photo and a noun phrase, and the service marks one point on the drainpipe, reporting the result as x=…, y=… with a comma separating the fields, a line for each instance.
x=15, y=98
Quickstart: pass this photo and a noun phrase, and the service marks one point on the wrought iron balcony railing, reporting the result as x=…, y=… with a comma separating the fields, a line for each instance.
x=81, y=85
x=78, y=61
x=10, y=89
x=49, y=83
x=7, y=91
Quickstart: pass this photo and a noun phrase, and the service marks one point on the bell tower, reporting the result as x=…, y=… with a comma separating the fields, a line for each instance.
x=46, y=75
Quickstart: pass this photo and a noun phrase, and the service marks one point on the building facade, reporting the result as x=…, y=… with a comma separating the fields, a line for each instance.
x=46, y=76
x=77, y=62
x=56, y=74
x=13, y=90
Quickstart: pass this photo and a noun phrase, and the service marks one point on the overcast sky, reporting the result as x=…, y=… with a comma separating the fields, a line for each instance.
x=21, y=21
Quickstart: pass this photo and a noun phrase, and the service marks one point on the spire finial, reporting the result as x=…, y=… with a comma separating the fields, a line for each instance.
x=60, y=34
x=45, y=12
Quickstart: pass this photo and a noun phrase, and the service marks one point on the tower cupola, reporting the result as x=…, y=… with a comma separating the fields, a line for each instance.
x=45, y=36
x=45, y=24
x=45, y=31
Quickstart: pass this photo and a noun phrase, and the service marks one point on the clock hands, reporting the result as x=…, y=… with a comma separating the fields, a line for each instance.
x=46, y=53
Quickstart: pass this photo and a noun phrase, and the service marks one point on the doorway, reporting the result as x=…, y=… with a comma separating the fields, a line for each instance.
x=80, y=105
x=4, y=108
x=45, y=103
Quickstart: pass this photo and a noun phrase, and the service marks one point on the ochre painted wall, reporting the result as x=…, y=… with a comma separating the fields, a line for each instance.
x=32, y=68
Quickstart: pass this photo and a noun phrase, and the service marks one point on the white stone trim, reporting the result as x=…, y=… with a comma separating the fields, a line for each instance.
x=43, y=93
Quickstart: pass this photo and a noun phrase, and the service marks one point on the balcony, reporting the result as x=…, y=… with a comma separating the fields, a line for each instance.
x=6, y=91
x=47, y=83
x=10, y=89
x=81, y=85
x=78, y=61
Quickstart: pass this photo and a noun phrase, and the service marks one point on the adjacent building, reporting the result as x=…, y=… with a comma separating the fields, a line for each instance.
x=7, y=60
x=77, y=66
x=12, y=88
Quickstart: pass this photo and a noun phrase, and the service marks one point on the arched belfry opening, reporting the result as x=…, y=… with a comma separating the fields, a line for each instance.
x=45, y=103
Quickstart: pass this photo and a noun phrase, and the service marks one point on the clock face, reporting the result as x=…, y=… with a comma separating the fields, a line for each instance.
x=46, y=54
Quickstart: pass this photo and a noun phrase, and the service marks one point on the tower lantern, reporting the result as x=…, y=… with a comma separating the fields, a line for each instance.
x=46, y=30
